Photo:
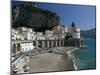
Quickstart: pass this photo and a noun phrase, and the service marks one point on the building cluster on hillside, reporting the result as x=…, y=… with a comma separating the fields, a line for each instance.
x=25, y=39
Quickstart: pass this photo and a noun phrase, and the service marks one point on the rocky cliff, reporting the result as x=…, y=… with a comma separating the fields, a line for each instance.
x=27, y=14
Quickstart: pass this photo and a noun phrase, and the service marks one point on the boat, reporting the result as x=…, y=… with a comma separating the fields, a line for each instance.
x=83, y=46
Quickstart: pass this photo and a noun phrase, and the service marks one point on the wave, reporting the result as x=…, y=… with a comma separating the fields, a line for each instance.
x=71, y=56
x=75, y=66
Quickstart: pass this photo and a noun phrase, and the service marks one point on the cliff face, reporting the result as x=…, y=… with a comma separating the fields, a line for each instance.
x=28, y=15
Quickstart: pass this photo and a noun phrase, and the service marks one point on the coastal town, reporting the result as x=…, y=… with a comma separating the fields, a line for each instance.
x=33, y=51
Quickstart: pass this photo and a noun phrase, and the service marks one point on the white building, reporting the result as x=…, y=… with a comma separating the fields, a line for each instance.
x=59, y=31
x=26, y=46
x=76, y=34
x=73, y=30
x=48, y=33
x=39, y=33
x=14, y=34
x=25, y=33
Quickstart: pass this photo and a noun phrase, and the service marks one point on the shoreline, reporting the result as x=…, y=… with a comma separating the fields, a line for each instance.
x=70, y=56
x=43, y=62
x=75, y=66
x=59, y=59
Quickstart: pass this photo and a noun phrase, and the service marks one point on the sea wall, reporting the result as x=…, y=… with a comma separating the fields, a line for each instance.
x=76, y=42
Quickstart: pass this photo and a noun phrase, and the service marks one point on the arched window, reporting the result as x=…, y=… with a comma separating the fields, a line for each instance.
x=14, y=48
x=54, y=45
x=34, y=43
x=40, y=44
x=46, y=44
x=50, y=44
x=18, y=47
x=58, y=43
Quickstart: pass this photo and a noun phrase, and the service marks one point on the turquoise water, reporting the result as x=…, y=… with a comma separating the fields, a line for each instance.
x=86, y=58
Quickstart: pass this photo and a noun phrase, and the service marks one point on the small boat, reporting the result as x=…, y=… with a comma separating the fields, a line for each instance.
x=83, y=46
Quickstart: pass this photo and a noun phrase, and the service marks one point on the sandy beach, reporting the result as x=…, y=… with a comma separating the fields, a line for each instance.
x=54, y=61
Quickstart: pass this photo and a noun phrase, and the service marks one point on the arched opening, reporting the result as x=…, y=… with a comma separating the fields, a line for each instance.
x=46, y=44
x=58, y=43
x=18, y=47
x=34, y=43
x=54, y=45
x=50, y=43
x=14, y=49
x=40, y=44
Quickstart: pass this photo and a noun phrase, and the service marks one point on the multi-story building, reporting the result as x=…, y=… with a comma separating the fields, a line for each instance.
x=14, y=34
x=59, y=31
x=25, y=39
x=50, y=39
x=74, y=31
x=72, y=37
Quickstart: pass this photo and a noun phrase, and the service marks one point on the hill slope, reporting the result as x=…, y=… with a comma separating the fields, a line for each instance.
x=27, y=14
x=88, y=33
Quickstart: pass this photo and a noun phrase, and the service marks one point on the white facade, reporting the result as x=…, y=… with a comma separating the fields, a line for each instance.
x=39, y=34
x=26, y=46
x=75, y=34
x=74, y=31
x=48, y=33
x=77, y=30
x=59, y=31
x=41, y=38
x=27, y=35
x=14, y=34
x=66, y=29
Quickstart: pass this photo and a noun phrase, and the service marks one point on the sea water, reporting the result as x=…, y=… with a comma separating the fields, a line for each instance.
x=86, y=58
